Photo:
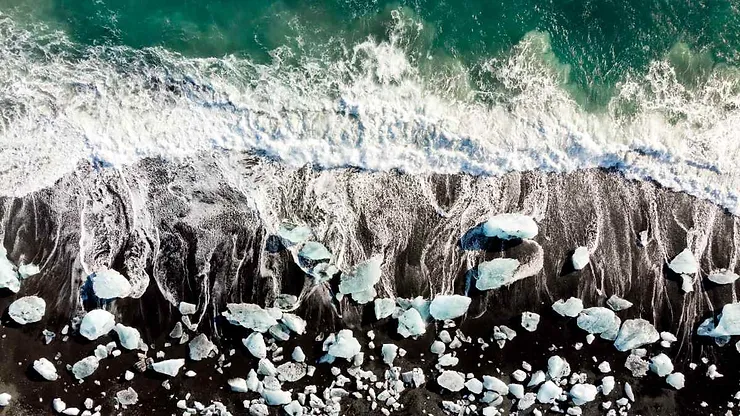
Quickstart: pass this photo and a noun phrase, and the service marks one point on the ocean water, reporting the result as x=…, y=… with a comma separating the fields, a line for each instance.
x=648, y=88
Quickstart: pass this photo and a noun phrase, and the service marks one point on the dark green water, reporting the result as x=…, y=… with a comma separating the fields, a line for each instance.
x=597, y=42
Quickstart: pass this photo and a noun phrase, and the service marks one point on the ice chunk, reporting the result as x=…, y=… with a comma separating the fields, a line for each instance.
x=27, y=270
x=583, y=393
x=410, y=324
x=361, y=279
x=548, y=392
x=496, y=273
x=292, y=234
x=722, y=277
x=96, y=324
x=238, y=385
x=571, y=307
x=314, y=251
x=250, y=316
x=445, y=307
x=27, y=310
x=298, y=355
x=451, y=380
x=128, y=336
x=684, y=263
x=46, y=369
x=510, y=226
x=286, y=301
x=676, y=380
x=537, y=378
x=169, y=367
x=265, y=367
x=729, y=322
x=8, y=274
x=661, y=365
x=294, y=322
x=109, y=284
x=530, y=320
x=617, y=303
x=187, y=308
x=580, y=258
x=474, y=386
x=127, y=397
x=276, y=397
x=557, y=367
x=635, y=333
x=495, y=384
x=419, y=303
x=389, y=352
x=384, y=307
x=5, y=399
x=516, y=390
x=599, y=320
x=345, y=345
x=255, y=344
x=607, y=385
x=201, y=348
x=85, y=367
x=291, y=372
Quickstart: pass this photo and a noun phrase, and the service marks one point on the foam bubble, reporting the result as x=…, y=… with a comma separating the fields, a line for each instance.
x=369, y=108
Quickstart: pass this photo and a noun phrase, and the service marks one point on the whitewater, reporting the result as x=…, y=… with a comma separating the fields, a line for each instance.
x=371, y=108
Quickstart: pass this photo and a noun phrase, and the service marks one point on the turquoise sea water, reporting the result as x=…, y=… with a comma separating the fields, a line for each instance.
x=594, y=44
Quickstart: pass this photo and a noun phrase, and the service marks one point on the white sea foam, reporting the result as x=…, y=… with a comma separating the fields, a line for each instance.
x=371, y=109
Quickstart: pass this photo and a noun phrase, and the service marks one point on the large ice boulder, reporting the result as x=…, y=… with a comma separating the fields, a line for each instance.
x=97, y=323
x=510, y=226
x=249, y=316
x=728, y=325
x=360, y=281
x=496, y=273
x=449, y=306
x=635, y=333
x=109, y=284
x=27, y=310
x=9, y=278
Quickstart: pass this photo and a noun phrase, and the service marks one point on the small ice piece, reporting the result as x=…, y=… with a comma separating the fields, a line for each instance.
x=5, y=399
x=516, y=390
x=276, y=397
x=255, y=344
x=537, y=378
x=530, y=320
x=384, y=307
x=583, y=393
x=128, y=375
x=27, y=310
x=722, y=277
x=389, y=352
x=169, y=367
x=604, y=367
x=684, y=263
x=495, y=384
x=712, y=372
x=201, y=348
x=445, y=307
x=410, y=324
x=314, y=251
x=96, y=324
x=85, y=367
x=127, y=397
x=618, y=304
x=249, y=316
x=635, y=333
x=676, y=380
x=294, y=322
x=661, y=365
x=187, y=308
x=46, y=369
x=238, y=385
x=128, y=336
x=109, y=284
x=101, y=352
x=510, y=226
x=557, y=367
x=599, y=320
x=293, y=234
x=58, y=405
x=668, y=337
x=345, y=345
x=607, y=385
x=451, y=380
x=298, y=355
x=496, y=273
x=628, y=392
x=9, y=278
x=548, y=392
x=474, y=386
x=361, y=279
x=570, y=308
x=687, y=283
x=438, y=347
x=48, y=336
x=580, y=258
